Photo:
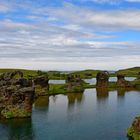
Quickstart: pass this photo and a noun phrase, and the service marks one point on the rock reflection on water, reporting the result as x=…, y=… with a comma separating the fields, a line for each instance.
x=121, y=92
x=77, y=116
x=42, y=103
x=102, y=93
x=17, y=129
x=74, y=98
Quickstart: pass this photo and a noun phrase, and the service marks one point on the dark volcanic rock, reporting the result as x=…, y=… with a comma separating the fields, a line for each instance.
x=121, y=82
x=74, y=83
x=102, y=79
x=41, y=84
x=41, y=80
x=16, y=95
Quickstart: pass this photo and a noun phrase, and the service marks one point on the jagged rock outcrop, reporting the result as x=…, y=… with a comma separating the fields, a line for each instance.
x=134, y=130
x=121, y=82
x=74, y=83
x=102, y=79
x=16, y=95
x=41, y=84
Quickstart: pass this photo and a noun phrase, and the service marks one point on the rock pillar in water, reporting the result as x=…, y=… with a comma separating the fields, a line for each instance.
x=41, y=84
x=74, y=83
x=102, y=79
x=121, y=82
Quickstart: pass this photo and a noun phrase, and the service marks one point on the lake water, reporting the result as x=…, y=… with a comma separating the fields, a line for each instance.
x=92, y=81
x=57, y=82
x=93, y=115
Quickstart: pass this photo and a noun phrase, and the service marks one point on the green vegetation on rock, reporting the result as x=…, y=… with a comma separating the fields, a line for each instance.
x=131, y=133
x=15, y=112
x=25, y=72
x=57, y=89
x=86, y=73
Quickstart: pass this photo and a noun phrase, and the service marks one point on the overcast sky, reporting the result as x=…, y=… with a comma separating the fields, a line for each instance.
x=69, y=34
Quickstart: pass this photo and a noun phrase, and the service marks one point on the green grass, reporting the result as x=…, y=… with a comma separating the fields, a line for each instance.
x=57, y=89
x=86, y=73
x=15, y=112
x=55, y=75
x=62, y=89
x=25, y=72
x=130, y=72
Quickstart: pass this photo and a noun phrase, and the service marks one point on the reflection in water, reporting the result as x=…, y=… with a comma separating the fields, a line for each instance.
x=42, y=103
x=74, y=98
x=57, y=81
x=92, y=81
x=19, y=129
x=54, y=98
x=121, y=92
x=81, y=116
x=102, y=93
x=75, y=101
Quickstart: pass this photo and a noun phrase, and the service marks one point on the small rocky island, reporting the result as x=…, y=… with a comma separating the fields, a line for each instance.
x=134, y=130
x=74, y=83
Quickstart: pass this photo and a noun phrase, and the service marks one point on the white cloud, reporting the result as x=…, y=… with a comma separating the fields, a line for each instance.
x=105, y=63
x=113, y=2
x=4, y=7
x=106, y=19
x=132, y=0
x=104, y=1
x=66, y=37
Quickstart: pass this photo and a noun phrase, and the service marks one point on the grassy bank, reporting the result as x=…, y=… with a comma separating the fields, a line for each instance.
x=130, y=72
x=33, y=73
x=55, y=89
x=26, y=72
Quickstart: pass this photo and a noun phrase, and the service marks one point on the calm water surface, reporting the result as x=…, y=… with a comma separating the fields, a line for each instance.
x=57, y=82
x=90, y=81
x=93, y=115
x=111, y=79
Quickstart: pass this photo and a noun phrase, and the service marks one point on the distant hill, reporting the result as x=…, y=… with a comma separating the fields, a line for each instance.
x=130, y=71
x=83, y=73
